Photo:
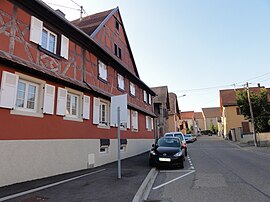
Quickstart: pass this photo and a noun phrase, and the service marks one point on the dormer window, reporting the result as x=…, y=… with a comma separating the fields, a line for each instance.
x=117, y=51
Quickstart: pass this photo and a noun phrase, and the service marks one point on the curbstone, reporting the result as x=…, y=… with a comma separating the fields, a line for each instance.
x=145, y=187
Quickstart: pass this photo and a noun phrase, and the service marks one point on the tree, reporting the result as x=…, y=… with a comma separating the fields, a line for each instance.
x=260, y=107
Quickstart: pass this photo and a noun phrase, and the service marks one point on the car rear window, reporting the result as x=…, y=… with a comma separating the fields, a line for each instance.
x=169, y=142
x=179, y=135
x=168, y=135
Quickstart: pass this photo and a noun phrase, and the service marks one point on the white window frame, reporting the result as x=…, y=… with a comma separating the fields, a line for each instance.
x=70, y=111
x=145, y=96
x=102, y=71
x=150, y=99
x=27, y=84
x=49, y=32
x=134, y=121
x=104, y=122
x=38, y=112
x=149, y=123
x=132, y=88
x=79, y=116
x=96, y=112
x=104, y=149
x=121, y=81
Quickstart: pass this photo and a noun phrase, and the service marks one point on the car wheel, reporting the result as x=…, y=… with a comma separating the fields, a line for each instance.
x=151, y=164
x=182, y=163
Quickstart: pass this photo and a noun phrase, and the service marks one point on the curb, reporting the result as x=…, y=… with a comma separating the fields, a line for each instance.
x=145, y=187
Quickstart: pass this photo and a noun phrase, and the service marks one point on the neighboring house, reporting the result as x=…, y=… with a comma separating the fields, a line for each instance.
x=161, y=109
x=232, y=118
x=57, y=80
x=198, y=121
x=174, y=114
x=187, y=119
x=212, y=116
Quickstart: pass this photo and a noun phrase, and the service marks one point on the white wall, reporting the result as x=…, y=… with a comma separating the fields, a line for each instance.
x=26, y=160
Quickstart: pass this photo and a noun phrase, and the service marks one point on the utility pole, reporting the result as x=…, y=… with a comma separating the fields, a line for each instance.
x=252, y=117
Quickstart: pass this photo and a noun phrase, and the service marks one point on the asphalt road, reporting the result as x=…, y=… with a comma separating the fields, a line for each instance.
x=217, y=170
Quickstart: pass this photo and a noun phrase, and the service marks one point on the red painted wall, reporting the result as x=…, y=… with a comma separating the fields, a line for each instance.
x=13, y=127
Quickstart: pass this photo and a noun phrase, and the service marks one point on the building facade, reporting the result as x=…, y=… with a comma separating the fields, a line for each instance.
x=57, y=80
x=174, y=114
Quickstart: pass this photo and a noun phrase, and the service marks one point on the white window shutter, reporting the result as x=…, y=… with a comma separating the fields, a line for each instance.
x=86, y=107
x=48, y=104
x=128, y=119
x=8, y=90
x=105, y=69
x=144, y=96
x=64, y=46
x=147, y=122
x=150, y=99
x=152, y=124
x=36, y=30
x=96, y=111
x=61, y=101
x=135, y=120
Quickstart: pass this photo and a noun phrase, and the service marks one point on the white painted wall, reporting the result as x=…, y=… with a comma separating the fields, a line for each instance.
x=26, y=160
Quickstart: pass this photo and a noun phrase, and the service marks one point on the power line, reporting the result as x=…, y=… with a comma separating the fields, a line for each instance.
x=63, y=6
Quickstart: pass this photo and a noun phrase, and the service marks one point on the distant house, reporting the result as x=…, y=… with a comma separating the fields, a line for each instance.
x=174, y=113
x=187, y=121
x=199, y=121
x=231, y=114
x=57, y=79
x=212, y=116
x=161, y=108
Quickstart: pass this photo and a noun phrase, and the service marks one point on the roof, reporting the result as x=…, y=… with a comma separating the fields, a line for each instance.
x=211, y=112
x=228, y=96
x=198, y=115
x=187, y=115
x=173, y=104
x=90, y=23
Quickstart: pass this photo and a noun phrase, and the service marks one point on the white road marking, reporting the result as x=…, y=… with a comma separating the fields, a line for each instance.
x=174, y=171
x=162, y=185
x=47, y=186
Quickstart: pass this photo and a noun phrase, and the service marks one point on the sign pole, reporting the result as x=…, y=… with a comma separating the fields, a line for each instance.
x=119, y=143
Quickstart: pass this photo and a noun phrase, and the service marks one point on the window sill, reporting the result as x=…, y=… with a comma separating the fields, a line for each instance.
x=103, y=126
x=103, y=80
x=26, y=113
x=120, y=89
x=54, y=55
x=72, y=119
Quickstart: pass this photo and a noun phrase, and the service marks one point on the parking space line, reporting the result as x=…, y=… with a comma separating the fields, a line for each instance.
x=166, y=183
x=174, y=171
x=48, y=186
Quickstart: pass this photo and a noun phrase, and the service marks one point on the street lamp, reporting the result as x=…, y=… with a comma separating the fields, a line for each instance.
x=182, y=95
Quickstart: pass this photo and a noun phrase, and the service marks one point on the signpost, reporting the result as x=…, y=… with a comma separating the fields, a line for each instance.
x=119, y=116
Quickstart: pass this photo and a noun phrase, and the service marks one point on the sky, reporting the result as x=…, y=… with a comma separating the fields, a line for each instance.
x=195, y=47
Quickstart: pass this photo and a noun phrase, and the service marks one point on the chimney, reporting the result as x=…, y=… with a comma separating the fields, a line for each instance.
x=259, y=85
x=60, y=13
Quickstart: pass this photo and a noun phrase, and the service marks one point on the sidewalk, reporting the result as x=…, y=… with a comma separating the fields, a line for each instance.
x=263, y=150
x=102, y=186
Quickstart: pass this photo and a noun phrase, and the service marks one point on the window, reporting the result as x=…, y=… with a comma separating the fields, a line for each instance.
x=26, y=95
x=103, y=116
x=102, y=70
x=134, y=121
x=104, y=145
x=149, y=123
x=117, y=51
x=121, y=82
x=101, y=113
x=49, y=40
x=144, y=96
x=132, y=88
x=238, y=111
x=72, y=104
x=26, y=98
x=117, y=25
x=149, y=99
x=123, y=144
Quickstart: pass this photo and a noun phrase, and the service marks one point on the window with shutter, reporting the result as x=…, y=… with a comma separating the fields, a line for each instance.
x=144, y=96
x=86, y=107
x=64, y=46
x=128, y=119
x=102, y=69
x=48, y=104
x=8, y=90
x=121, y=82
x=132, y=88
x=61, y=101
x=134, y=121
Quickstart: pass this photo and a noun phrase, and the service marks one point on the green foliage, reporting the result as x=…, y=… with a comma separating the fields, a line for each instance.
x=260, y=107
x=213, y=128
